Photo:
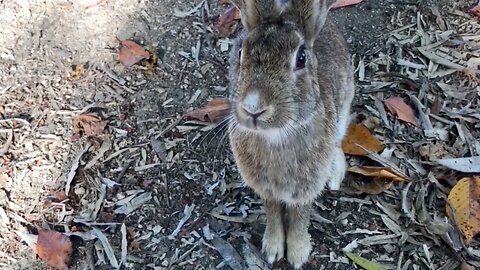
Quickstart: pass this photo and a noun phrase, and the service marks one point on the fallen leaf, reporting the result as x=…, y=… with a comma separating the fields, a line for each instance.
x=398, y=107
x=215, y=110
x=77, y=72
x=227, y=21
x=364, y=263
x=89, y=124
x=466, y=165
x=378, y=172
x=465, y=266
x=131, y=53
x=359, y=134
x=54, y=248
x=475, y=10
x=344, y=3
x=465, y=200
x=369, y=186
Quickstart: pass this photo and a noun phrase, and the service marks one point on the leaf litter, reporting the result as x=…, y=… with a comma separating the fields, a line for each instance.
x=138, y=176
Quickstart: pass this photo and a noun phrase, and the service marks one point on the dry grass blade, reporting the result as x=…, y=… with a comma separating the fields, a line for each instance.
x=123, y=230
x=134, y=204
x=229, y=253
x=106, y=247
x=73, y=169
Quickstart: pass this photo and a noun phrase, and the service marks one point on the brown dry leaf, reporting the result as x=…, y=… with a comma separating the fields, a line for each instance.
x=475, y=10
x=398, y=107
x=465, y=266
x=377, y=172
x=215, y=110
x=370, y=186
x=89, y=124
x=344, y=3
x=131, y=53
x=54, y=248
x=380, y=179
x=227, y=21
x=465, y=200
x=358, y=134
x=77, y=72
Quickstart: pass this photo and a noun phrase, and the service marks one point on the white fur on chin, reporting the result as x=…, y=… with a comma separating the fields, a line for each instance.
x=274, y=136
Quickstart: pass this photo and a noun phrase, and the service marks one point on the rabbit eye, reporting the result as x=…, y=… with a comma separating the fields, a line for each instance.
x=301, y=57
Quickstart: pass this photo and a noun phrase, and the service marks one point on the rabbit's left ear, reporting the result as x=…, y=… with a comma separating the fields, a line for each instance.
x=254, y=12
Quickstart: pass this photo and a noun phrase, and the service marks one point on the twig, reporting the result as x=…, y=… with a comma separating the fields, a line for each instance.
x=170, y=127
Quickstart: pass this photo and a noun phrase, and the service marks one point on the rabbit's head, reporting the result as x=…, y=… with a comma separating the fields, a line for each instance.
x=273, y=73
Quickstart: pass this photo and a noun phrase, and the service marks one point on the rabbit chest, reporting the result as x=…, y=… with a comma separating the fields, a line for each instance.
x=292, y=173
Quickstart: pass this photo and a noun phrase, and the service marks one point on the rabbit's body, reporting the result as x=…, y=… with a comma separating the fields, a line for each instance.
x=289, y=115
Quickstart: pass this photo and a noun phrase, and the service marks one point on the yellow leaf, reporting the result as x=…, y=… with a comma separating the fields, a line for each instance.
x=465, y=200
x=364, y=263
x=358, y=134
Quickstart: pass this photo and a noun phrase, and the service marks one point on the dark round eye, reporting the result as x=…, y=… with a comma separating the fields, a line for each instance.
x=301, y=57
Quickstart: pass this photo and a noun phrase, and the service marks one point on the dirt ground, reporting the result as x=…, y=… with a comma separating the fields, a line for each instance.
x=166, y=170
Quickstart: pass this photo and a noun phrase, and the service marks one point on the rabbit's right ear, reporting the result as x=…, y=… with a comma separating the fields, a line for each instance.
x=312, y=15
x=249, y=14
x=254, y=12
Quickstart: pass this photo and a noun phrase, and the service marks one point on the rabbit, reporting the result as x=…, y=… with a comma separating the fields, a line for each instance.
x=291, y=87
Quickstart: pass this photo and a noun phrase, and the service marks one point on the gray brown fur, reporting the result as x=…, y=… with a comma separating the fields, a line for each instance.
x=295, y=149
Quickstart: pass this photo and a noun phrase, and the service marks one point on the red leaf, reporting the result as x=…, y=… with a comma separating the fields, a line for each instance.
x=215, y=110
x=227, y=20
x=344, y=3
x=54, y=248
x=475, y=10
x=398, y=107
x=131, y=53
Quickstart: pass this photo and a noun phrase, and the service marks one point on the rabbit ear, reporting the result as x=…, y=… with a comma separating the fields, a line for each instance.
x=254, y=12
x=312, y=15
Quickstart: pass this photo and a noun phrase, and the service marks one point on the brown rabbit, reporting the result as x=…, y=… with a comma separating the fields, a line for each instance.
x=291, y=84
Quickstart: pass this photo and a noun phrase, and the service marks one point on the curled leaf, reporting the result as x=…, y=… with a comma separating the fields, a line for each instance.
x=215, y=110
x=358, y=134
x=54, y=248
x=131, y=53
x=379, y=179
x=398, y=107
x=465, y=200
x=377, y=172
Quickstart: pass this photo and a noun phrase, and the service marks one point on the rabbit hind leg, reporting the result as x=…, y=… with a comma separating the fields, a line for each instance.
x=338, y=169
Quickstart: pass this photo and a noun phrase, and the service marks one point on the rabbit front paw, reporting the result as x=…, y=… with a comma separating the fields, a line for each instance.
x=298, y=250
x=273, y=246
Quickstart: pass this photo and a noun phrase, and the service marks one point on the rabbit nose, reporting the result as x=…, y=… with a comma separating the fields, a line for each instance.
x=251, y=107
x=253, y=116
